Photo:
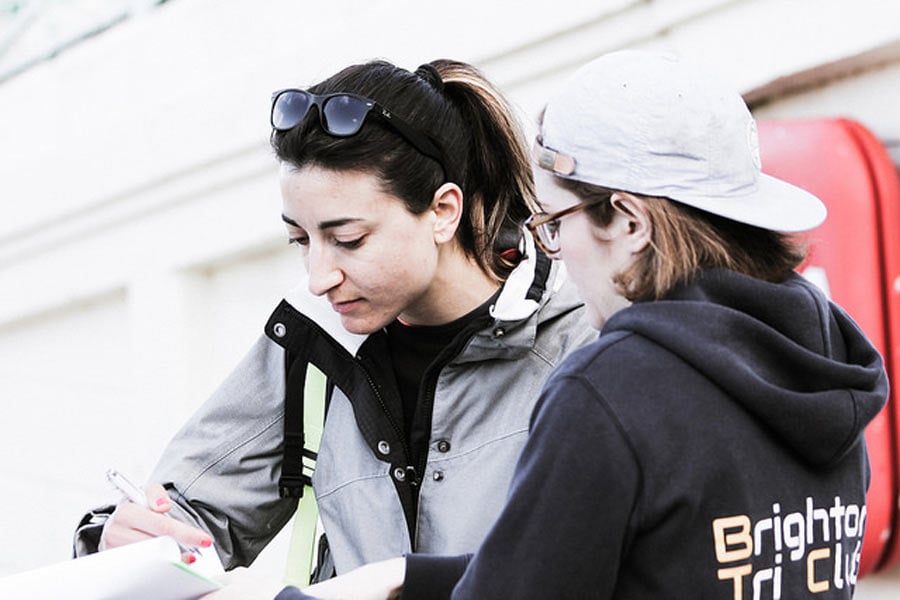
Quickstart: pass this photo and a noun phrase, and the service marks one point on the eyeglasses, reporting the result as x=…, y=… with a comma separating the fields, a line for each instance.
x=343, y=115
x=545, y=228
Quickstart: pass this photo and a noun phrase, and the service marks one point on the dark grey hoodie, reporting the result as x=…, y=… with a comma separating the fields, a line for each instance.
x=709, y=445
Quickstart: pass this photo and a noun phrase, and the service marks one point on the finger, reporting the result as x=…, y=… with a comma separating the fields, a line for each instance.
x=185, y=534
x=153, y=524
x=159, y=525
x=120, y=537
x=157, y=498
x=117, y=532
x=160, y=502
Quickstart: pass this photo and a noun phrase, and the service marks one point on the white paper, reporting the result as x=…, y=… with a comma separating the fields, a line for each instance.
x=147, y=570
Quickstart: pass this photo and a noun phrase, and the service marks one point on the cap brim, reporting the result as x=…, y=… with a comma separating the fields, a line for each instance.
x=775, y=205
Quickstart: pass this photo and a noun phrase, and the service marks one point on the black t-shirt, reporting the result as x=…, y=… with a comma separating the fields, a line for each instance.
x=418, y=352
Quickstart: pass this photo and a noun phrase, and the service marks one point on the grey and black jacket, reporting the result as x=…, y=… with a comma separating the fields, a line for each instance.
x=222, y=469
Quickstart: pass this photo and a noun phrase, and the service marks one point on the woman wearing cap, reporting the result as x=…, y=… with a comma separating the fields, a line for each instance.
x=432, y=316
x=710, y=443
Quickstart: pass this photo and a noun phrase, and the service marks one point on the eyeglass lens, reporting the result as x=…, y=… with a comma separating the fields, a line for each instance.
x=547, y=232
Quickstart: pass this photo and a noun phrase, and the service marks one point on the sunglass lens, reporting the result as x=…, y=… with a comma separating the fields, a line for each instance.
x=344, y=115
x=289, y=109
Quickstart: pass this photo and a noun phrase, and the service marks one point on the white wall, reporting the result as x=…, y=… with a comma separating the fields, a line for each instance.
x=140, y=243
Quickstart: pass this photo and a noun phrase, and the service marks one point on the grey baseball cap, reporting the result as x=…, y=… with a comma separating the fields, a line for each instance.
x=647, y=123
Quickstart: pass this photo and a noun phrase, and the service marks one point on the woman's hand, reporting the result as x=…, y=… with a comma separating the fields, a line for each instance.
x=132, y=523
x=375, y=581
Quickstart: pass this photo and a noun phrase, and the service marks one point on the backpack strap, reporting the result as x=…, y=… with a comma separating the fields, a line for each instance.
x=304, y=419
x=300, y=449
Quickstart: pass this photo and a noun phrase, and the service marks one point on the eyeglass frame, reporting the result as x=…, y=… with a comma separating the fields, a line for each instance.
x=422, y=142
x=536, y=221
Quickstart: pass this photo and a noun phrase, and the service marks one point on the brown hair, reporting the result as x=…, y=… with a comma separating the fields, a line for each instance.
x=686, y=240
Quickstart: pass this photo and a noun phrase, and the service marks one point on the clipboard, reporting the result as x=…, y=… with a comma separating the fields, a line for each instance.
x=146, y=570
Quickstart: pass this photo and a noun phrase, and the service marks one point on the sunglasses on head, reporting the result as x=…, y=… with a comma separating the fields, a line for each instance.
x=343, y=115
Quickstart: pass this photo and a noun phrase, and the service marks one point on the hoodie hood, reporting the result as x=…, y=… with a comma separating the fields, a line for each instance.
x=783, y=351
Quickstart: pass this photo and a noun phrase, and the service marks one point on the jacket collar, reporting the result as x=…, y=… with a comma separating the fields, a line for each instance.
x=523, y=289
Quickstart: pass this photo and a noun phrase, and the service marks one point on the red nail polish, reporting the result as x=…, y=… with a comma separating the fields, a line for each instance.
x=160, y=502
x=206, y=543
x=191, y=559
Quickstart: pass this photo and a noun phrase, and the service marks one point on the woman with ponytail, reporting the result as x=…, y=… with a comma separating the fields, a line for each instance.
x=424, y=302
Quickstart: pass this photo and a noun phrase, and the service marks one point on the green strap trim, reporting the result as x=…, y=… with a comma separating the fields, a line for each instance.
x=302, y=548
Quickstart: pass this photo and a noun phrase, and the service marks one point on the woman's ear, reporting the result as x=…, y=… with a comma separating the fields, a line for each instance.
x=634, y=219
x=447, y=208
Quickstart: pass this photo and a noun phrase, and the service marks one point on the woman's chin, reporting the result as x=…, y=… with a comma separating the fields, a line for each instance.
x=362, y=325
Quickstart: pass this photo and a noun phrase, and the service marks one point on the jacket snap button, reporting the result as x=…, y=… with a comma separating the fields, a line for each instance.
x=499, y=332
x=384, y=447
x=400, y=474
x=443, y=446
x=438, y=475
x=279, y=329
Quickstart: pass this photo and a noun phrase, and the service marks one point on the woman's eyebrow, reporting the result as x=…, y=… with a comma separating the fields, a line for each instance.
x=337, y=223
x=324, y=224
x=289, y=220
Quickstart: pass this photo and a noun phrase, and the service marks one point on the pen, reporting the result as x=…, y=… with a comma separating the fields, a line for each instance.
x=135, y=494
x=127, y=487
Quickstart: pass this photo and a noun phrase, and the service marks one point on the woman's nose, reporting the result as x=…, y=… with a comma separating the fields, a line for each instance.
x=324, y=273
